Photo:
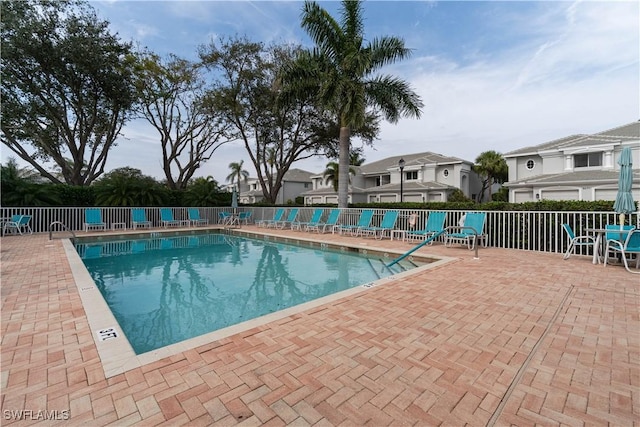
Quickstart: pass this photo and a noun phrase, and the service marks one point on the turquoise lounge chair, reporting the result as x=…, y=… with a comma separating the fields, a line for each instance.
x=293, y=214
x=331, y=223
x=93, y=219
x=388, y=223
x=435, y=224
x=276, y=217
x=166, y=218
x=315, y=218
x=576, y=241
x=194, y=217
x=469, y=236
x=224, y=217
x=631, y=245
x=365, y=220
x=617, y=232
x=139, y=218
x=244, y=217
x=18, y=223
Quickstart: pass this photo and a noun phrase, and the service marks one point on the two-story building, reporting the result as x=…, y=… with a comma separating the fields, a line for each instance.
x=424, y=177
x=294, y=183
x=577, y=167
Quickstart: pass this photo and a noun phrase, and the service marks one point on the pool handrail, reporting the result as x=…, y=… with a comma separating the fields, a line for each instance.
x=446, y=230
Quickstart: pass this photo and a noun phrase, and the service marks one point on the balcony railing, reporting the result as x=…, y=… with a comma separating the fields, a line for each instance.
x=523, y=230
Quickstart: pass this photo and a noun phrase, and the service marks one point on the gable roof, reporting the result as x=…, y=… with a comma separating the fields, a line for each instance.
x=297, y=175
x=628, y=131
x=416, y=159
x=620, y=134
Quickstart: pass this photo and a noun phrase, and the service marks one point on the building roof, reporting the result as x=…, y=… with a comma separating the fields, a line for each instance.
x=579, y=177
x=619, y=135
x=628, y=131
x=298, y=175
x=383, y=166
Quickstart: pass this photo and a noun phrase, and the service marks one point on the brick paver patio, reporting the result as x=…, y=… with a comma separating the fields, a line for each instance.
x=513, y=338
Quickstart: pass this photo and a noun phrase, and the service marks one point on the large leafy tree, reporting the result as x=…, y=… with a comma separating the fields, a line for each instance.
x=276, y=130
x=492, y=168
x=355, y=157
x=175, y=102
x=342, y=70
x=66, y=87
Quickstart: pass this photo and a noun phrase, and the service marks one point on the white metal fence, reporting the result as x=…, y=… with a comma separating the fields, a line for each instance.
x=524, y=230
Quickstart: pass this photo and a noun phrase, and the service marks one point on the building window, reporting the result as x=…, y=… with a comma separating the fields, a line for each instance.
x=445, y=173
x=411, y=175
x=531, y=164
x=587, y=160
x=306, y=185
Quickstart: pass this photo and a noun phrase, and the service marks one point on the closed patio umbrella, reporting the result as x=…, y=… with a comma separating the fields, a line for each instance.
x=624, y=199
x=234, y=199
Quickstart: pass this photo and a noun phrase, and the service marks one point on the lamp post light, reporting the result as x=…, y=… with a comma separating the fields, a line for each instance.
x=401, y=166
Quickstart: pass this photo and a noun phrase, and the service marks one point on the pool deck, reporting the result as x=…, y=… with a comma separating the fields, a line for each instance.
x=512, y=338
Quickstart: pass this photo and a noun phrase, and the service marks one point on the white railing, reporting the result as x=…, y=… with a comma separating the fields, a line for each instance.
x=525, y=230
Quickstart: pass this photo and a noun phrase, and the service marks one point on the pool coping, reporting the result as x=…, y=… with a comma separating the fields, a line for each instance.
x=117, y=354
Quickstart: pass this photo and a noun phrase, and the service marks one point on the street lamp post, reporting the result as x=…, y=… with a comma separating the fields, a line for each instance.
x=401, y=166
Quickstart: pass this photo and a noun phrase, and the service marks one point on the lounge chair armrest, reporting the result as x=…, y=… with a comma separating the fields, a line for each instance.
x=619, y=246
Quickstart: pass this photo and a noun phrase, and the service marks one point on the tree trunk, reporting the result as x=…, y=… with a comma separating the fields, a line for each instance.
x=343, y=168
x=491, y=181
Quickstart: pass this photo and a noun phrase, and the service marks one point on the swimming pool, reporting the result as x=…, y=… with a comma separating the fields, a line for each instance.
x=163, y=290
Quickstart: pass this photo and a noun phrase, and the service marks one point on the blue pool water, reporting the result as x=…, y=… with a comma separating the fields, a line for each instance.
x=165, y=290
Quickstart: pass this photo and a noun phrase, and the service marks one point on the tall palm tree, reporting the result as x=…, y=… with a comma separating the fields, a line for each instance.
x=237, y=173
x=342, y=69
x=332, y=173
x=492, y=168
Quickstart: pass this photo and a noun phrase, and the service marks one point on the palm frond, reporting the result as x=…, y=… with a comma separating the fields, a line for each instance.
x=384, y=51
x=394, y=97
x=352, y=22
x=322, y=28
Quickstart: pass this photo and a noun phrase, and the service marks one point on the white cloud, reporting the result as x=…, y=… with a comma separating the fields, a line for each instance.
x=576, y=71
x=526, y=73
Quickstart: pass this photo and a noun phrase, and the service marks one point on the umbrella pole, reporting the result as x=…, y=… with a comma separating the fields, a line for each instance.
x=621, y=219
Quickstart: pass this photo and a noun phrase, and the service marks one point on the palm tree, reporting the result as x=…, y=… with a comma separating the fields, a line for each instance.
x=332, y=173
x=342, y=70
x=492, y=168
x=237, y=173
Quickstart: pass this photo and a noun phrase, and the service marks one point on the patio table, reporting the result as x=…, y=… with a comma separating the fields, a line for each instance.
x=600, y=244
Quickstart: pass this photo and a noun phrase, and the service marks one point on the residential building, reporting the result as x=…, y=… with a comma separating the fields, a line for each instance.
x=577, y=167
x=426, y=177
x=294, y=183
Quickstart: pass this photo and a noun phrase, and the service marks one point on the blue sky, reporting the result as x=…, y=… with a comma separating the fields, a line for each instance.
x=492, y=75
